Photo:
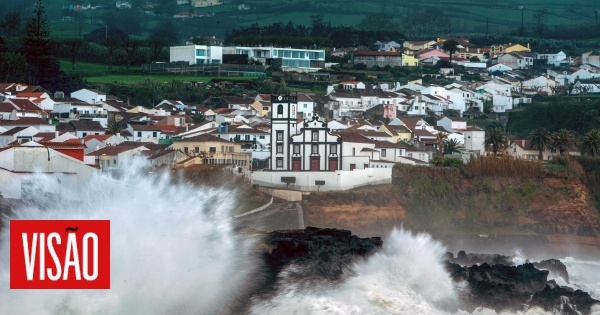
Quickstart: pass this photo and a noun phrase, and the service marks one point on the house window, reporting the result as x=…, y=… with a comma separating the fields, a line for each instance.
x=185, y=149
x=261, y=137
x=296, y=149
x=279, y=162
x=84, y=134
x=279, y=135
x=139, y=134
x=279, y=109
x=333, y=148
x=115, y=162
x=247, y=137
x=212, y=149
x=197, y=149
x=315, y=135
x=383, y=153
x=154, y=134
x=315, y=149
x=280, y=148
x=353, y=151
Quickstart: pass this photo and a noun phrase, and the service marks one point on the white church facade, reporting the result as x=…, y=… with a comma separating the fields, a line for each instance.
x=307, y=156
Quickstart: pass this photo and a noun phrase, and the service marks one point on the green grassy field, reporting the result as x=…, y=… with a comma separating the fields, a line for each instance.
x=98, y=73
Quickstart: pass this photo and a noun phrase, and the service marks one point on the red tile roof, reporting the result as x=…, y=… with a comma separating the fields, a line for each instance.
x=24, y=121
x=167, y=128
x=97, y=137
x=376, y=53
x=111, y=150
x=63, y=145
x=204, y=138
x=25, y=105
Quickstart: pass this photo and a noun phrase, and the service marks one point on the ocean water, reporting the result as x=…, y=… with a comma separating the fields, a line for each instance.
x=173, y=250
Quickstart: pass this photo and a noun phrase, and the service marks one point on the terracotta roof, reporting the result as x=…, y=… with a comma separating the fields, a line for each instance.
x=144, y=127
x=423, y=133
x=24, y=121
x=63, y=145
x=30, y=94
x=24, y=104
x=376, y=53
x=7, y=107
x=204, y=138
x=97, y=137
x=86, y=125
x=354, y=137
x=13, y=131
x=167, y=128
x=111, y=150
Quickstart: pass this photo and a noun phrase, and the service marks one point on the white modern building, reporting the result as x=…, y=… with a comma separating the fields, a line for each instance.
x=197, y=54
x=291, y=58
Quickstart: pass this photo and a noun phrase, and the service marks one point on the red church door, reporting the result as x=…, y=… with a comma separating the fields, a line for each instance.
x=333, y=165
x=315, y=163
x=296, y=165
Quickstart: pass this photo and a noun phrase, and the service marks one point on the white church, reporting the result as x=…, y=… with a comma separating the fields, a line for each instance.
x=306, y=156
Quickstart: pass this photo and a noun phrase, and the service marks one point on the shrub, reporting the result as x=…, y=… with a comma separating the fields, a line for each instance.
x=503, y=167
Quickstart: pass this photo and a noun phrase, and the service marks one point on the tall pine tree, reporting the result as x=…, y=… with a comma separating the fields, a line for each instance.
x=38, y=49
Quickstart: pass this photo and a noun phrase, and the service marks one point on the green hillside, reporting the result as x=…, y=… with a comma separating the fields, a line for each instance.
x=465, y=16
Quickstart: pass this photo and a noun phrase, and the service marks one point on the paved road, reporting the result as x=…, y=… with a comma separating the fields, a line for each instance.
x=281, y=215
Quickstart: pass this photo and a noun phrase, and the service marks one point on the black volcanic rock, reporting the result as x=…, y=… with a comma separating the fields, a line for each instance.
x=562, y=300
x=555, y=266
x=326, y=252
x=514, y=288
x=465, y=259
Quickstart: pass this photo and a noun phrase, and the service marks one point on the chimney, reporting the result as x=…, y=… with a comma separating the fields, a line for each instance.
x=56, y=134
x=523, y=143
x=226, y=128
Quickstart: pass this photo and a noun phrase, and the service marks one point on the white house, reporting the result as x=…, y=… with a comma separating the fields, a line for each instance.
x=540, y=84
x=499, y=67
x=97, y=142
x=474, y=140
x=554, y=58
x=306, y=106
x=41, y=99
x=454, y=124
x=145, y=133
x=388, y=45
x=32, y=169
x=90, y=96
x=18, y=134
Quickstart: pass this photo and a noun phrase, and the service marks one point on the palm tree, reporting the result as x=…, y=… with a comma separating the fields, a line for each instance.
x=450, y=46
x=496, y=138
x=541, y=140
x=563, y=140
x=453, y=146
x=441, y=139
x=590, y=144
x=116, y=127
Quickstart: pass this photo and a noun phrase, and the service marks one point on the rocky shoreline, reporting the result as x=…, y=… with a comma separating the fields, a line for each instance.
x=493, y=281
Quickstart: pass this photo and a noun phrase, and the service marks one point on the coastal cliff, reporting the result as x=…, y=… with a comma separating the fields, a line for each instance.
x=523, y=198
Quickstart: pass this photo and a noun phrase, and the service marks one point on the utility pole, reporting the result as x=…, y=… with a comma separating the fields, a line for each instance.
x=522, y=24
